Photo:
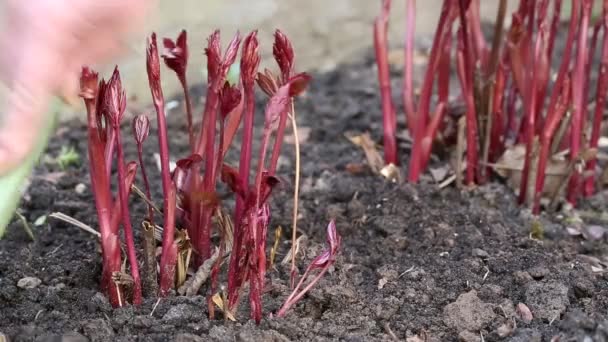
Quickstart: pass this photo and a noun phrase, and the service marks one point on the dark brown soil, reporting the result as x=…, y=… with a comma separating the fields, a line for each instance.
x=417, y=263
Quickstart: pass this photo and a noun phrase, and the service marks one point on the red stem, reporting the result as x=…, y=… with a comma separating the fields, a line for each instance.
x=481, y=47
x=443, y=75
x=144, y=175
x=497, y=138
x=465, y=69
x=126, y=220
x=184, y=82
x=296, y=295
x=530, y=117
x=557, y=10
x=471, y=120
x=578, y=101
x=431, y=133
x=244, y=166
x=389, y=122
x=109, y=152
x=551, y=124
x=101, y=188
x=602, y=88
x=408, y=69
x=443, y=29
x=168, y=258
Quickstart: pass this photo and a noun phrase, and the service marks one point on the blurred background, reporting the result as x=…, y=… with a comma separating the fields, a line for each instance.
x=324, y=33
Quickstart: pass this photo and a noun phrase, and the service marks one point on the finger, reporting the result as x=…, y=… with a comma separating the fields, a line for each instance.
x=23, y=118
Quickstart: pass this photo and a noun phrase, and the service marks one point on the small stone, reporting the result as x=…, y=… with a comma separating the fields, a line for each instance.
x=98, y=330
x=80, y=188
x=538, y=272
x=583, y=287
x=480, y=253
x=99, y=302
x=143, y=321
x=28, y=282
x=468, y=313
x=468, y=336
x=523, y=312
x=180, y=313
x=522, y=277
x=57, y=287
x=506, y=329
x=73, y=337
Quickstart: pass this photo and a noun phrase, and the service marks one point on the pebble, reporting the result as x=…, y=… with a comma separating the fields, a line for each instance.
x=522, y=277
x=480, y=253
x=28, y=282
x=524, y=313
x=584, y=287
x=98, y=330
x=80, y=188
x=468, y=336
x=538, y=272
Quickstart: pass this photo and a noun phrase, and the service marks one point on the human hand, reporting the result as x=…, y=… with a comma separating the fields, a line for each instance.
x=44, y=44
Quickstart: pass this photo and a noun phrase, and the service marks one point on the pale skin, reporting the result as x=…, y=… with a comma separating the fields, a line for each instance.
x=43, y=45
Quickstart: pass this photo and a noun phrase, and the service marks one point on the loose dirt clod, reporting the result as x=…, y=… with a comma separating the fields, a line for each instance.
x=468, y=313
x=29, y=282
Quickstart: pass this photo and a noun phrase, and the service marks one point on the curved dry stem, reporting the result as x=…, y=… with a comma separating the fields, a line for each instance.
x=296, y=192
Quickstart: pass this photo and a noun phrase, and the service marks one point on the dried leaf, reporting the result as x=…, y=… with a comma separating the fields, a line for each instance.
x=374, y=159
x=511, y=164
x=391, y=172
x=219, y=302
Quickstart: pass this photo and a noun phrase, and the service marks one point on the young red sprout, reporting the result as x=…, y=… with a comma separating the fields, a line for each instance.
x=169, y=248
x=140, y=127
x=115, y=104
x=250, y=61
x=100, y=183
x=284, y=56
x=176, y=56
x=217, y=68
x=322, y=263
x=389, y=120
x=253, y=222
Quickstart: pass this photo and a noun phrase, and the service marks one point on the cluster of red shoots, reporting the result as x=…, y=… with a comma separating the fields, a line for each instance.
x=496, y=81
x=189, y=190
